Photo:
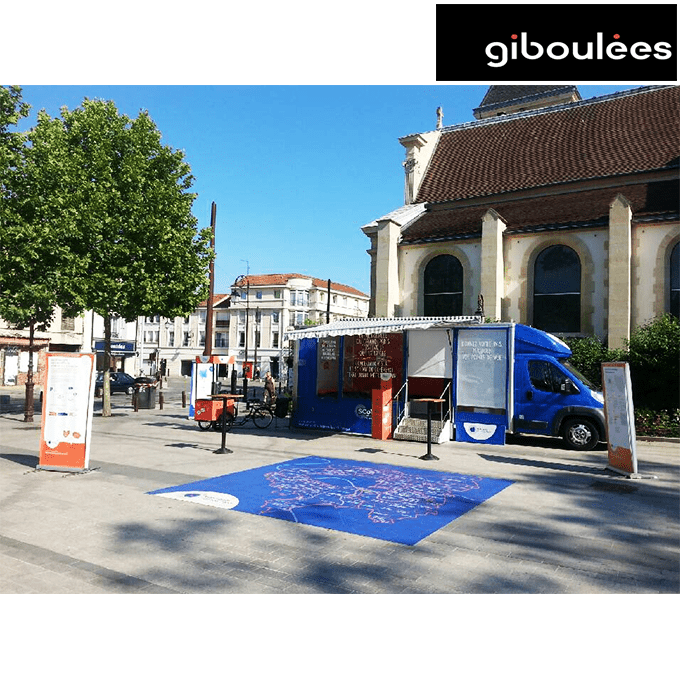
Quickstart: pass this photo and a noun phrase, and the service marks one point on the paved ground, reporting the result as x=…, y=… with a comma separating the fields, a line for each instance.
x=565, y=525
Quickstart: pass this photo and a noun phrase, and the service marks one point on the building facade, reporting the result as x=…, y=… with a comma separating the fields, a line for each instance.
x=264, y=306
x=561, y=213
x=253, y=320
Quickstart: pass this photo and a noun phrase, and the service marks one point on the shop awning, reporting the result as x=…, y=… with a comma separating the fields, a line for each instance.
x=379, y=326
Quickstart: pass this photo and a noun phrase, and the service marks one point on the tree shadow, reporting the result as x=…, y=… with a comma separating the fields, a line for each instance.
x=21, y=459
x=549, y=465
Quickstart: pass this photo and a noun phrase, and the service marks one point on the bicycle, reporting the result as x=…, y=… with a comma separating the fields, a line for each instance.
x=261, y=415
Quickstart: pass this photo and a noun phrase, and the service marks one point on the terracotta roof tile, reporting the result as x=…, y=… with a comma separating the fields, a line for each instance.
x=260, y=280
x=633, y=131
x=653, y=199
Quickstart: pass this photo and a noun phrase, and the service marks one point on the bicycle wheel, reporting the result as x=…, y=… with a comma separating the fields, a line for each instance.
x=217, y=424
x=204, y=424
x=262, y=417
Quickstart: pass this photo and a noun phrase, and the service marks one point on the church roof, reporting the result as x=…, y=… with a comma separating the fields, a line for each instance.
x=629, y=132
x=649, y=201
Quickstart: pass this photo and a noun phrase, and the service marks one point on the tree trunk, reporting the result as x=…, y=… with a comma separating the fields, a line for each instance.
x=29, y=403
x=106, y=386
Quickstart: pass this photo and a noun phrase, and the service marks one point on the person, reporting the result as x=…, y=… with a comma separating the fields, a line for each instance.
x=269, y=389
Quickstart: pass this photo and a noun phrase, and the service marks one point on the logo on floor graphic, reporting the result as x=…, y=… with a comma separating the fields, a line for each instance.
x=214, y=498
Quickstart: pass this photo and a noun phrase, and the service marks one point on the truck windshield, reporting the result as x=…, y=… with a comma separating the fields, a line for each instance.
x=579, y=375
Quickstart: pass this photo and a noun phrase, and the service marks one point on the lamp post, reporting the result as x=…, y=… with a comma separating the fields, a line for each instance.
x=236, y=294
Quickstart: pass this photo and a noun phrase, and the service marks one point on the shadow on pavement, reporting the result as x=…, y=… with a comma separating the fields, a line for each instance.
x=550, y=465
x=21, y=459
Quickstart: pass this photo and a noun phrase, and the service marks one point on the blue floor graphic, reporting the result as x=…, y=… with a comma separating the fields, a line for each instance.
x=398, y=504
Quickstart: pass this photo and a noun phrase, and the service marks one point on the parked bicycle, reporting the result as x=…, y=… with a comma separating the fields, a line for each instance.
x=260, y=414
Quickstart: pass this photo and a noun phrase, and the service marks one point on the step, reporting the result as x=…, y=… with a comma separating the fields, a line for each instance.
x=415, y=430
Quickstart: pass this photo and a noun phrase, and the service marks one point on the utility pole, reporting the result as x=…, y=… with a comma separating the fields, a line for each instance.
x=209, y=314
x=328, y=303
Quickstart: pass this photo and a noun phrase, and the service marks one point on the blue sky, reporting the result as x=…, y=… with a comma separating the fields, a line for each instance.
x=295, y=171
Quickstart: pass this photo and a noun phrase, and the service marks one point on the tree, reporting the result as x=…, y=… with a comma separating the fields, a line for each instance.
x=33, y=260
x=653, y=352
x=124, y=214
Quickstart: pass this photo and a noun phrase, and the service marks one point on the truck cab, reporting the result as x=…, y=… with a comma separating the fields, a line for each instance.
x=551, y=396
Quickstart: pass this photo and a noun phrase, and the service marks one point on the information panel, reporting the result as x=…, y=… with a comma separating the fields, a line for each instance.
x=327, y=369
x=202, y=378
x=619, y=416
x=67, y=412
x=366, y=358
x=482, y=385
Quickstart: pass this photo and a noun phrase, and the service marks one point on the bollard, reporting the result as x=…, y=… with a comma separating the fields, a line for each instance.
x=134, y=401
x=184, y=399
x=160, y=401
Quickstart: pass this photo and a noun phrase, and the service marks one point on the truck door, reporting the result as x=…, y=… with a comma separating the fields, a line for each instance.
x=539, y=394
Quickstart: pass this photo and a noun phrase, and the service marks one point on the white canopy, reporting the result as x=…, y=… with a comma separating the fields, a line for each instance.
x=378, y=326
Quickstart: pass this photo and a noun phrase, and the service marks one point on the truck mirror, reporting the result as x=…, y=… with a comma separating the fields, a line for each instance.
x=568, y=387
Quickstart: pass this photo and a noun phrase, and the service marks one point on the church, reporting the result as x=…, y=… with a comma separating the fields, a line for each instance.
x=545, y=209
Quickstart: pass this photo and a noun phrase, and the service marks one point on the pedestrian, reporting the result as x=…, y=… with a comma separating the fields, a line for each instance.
x=269, y=389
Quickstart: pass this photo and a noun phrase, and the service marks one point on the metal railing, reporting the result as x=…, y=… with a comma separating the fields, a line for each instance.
x=449, y=412
x=400, y=406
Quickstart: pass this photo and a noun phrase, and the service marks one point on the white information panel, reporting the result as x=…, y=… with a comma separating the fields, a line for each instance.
x=620, y=418
x=482, y=368
x=67, y=412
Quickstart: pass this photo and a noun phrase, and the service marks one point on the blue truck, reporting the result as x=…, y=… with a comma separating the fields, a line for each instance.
x=484, y=380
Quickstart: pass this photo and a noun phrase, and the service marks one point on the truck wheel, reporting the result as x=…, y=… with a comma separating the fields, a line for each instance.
x=580, y=435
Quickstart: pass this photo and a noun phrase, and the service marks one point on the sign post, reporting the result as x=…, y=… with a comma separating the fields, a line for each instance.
x=620, y=419
x=67, y=412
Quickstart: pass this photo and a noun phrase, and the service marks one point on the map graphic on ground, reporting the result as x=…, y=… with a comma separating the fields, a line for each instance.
x=393, y=503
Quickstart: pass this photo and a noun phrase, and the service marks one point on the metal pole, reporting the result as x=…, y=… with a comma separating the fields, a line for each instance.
x=328, y=303
x=29, y=406
x=223, y=448
x=245, y=371
x=429, y=455
x=209, y=312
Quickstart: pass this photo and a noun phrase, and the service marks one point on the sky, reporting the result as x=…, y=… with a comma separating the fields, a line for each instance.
x=295, y=170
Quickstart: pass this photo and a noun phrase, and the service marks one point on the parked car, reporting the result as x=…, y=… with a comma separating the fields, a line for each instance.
x=120, y=382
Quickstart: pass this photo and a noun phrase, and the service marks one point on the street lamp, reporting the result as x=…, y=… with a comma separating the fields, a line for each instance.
x=236, y=294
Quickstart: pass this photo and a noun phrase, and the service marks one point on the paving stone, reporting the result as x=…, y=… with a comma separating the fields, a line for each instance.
x=564, y=526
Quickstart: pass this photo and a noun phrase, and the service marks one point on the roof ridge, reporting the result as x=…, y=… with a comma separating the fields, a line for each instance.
x=556, y=107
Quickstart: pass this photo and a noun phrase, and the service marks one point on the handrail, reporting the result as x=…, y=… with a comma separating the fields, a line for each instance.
x=395, y=398
x=448, y=414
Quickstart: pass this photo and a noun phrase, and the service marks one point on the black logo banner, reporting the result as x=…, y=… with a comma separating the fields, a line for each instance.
x=557, y=43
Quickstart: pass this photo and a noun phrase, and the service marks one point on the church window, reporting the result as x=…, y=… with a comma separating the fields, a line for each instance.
x=675, y=281
x=557, y=290
x=443, y=286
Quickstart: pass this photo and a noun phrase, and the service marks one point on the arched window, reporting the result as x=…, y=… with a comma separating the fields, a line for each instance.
x=675, y=281
x=557, y=290
x=444, y=286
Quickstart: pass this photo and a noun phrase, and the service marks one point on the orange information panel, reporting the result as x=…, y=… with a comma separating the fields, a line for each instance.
x=68, y=398
x=619, y=416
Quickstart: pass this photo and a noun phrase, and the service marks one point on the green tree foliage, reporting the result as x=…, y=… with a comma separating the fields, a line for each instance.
x=588, y=354
x=101, y=219
x=125, y=198
x=653, y=353
x=33, y=259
